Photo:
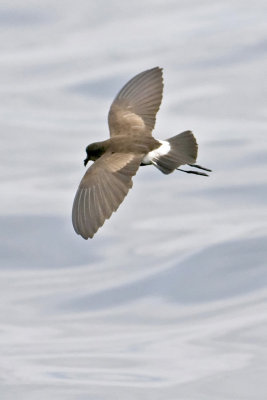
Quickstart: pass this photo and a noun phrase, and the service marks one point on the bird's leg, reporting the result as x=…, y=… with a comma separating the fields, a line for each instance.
x=192, y=172
x=199, y=166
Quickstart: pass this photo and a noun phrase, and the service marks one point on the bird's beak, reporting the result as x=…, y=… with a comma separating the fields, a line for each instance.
x=86, y=161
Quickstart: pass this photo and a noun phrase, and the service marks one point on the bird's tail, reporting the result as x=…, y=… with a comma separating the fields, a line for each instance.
x=182, y=150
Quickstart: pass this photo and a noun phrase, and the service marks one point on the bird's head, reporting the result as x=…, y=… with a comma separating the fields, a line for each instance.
x=93, y=151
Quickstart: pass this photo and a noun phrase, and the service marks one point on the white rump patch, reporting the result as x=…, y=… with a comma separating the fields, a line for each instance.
x=157, y=153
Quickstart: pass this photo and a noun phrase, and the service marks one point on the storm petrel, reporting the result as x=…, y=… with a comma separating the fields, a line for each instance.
x=131, y=120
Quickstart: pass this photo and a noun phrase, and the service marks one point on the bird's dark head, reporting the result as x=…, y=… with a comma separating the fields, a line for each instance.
x=94, y=151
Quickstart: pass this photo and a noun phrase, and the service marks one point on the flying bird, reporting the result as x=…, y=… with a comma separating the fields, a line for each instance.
x=131, y=120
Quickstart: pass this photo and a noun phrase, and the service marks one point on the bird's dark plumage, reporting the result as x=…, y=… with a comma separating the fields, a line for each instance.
x=131, y=120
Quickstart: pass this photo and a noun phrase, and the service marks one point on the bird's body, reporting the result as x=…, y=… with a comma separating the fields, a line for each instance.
x=116, y=160
x=122, y=144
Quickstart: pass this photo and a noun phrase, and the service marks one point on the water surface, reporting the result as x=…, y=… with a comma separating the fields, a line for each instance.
x=168, y=300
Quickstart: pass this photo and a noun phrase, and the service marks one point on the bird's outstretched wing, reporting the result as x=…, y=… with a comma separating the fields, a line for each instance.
x=101, y=191
x=134, y=109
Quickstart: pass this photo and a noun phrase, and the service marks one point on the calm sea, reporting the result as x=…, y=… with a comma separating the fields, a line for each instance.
x=168, y=301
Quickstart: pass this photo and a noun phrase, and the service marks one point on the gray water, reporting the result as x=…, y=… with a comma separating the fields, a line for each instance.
x=168, y=301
